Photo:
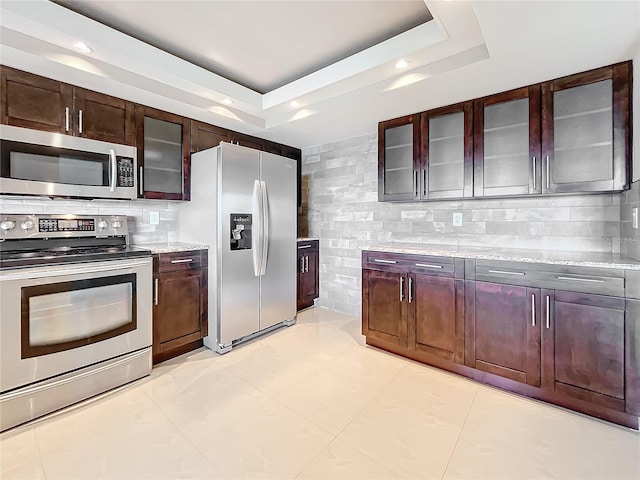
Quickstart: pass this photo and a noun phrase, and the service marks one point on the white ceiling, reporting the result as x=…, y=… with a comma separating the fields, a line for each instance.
x=257, y=43
x=471, y=49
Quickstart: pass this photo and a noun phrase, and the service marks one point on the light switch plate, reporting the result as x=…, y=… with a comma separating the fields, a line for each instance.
x=634, y=217
x=154, y=218
x=457, y=219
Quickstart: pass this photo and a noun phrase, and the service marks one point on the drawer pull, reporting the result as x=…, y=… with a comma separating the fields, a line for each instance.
x=300, y=247
x=588, y=280
x=502, y=272
x=184, y=260
x=377, y=260
x=428, y=265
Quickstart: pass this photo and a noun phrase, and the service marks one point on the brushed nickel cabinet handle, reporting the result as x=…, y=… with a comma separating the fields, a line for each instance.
x=306, y=263
x=428, y=265
x=533, y=309
x=548, y=174
x=304, y=246
x=410, y=287
x=502, y=272
x=378, y=260
x=140, y=183
x=415, y=176
x=401, y=289
x=301, y=264
x=80, y=121
x=534, y=173
x=66, y=119
x=184, y=260
x=548, y=311
x=155, y=292
x=576, y=279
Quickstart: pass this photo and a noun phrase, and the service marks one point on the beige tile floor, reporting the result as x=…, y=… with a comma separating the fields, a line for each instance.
x=313, y=402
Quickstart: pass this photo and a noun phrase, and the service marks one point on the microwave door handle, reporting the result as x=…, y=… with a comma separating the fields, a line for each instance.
x=112, y=170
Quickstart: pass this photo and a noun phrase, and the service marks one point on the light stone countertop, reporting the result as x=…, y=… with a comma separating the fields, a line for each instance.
x=554, y=257
x=306, y=239
x=171, y=247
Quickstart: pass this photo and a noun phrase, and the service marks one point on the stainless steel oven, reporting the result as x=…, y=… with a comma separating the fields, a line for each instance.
x=75, y=323
x=43, y=163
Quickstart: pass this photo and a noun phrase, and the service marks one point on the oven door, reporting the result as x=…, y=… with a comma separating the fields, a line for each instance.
x=60, y=318
x=43, y=163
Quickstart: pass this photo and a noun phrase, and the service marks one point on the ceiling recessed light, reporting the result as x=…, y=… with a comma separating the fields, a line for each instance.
x=294, y=104
x=402, y=63
x=82, y=47
x=227, y=101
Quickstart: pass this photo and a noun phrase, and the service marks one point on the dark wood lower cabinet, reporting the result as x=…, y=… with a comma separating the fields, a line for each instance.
x=180, y=304
x=506, y=338
x=575, y=349
x=308, y=278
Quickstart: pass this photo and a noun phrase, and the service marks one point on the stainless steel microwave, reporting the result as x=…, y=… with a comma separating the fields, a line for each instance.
x=33, y=162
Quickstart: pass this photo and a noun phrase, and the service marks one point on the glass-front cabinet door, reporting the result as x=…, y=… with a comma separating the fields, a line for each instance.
x=447, y=152
x=163, y=154
x=507, y=143
x=585, y=134
x=399, y=159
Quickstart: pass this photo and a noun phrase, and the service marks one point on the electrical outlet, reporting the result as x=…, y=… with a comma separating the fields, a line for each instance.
x=457, y=219
x=154, y=218
x=634, y=217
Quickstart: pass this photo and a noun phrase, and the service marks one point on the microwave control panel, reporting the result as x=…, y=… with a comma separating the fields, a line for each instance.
x=126, y=172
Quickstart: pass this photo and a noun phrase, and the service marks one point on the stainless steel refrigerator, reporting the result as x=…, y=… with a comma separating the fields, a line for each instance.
x=243, y=205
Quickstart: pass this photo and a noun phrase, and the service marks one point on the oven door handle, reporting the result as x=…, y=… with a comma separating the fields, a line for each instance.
x=28, y=273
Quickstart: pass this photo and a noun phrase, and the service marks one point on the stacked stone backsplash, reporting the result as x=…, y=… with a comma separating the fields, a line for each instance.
x=140, y=230
x=340, y=206
x=630, y=237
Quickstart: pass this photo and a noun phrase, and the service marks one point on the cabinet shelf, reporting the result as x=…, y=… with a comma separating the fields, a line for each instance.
x=448, y=137
x=161, y=140
x=507, y=127
x=584, y=147
x=397, y=169
x=507, y=155
x=582, y=114
x=403, y=145
x=440, y=164
x=163, y=169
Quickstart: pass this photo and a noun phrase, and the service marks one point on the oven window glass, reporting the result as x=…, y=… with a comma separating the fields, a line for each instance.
x=54, y=165
x=62, y=316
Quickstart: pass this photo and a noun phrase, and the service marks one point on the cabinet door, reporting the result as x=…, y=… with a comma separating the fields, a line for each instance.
x=507, y=143
x=447, y=152
x=384, y=311
x=205, y=136
x=437, y=308
x=585, y=131
x=584, y=347
x=309, y=279
x=399, y=159
x=163, y=154
x=102, y=117
x=506, y=332
x=177, y=311
x=31, y=101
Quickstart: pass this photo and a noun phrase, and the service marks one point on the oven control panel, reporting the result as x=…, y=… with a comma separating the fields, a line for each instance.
x=60, y=225
x=21, y=226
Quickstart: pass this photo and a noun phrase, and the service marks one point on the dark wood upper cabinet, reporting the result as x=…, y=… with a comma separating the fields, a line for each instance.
x=507, y=143
x=31, y=101
x=506, y=332
x=447, y=152
x=586, y=131
x=163, y=154
x=399, y=159
x=249, y=141
x=205, y=136
x=102, y=117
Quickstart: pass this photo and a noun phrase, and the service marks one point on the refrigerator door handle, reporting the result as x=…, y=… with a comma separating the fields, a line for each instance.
x=256, y=238
x=265, y=228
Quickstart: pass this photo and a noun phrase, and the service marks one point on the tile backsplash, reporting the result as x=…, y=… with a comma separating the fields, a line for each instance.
x=630, y=237
x=140, y=229
x=340, y=206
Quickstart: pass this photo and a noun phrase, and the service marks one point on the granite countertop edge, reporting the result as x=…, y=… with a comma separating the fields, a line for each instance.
x=552, y=257
x=171, y=247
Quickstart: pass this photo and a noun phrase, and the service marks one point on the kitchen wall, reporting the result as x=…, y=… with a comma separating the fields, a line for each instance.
x=340, y=191
x=630, y=238
x=140, y=230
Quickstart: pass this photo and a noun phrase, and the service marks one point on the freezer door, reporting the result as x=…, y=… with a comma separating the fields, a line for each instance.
x=238, y=241
x=278, y=282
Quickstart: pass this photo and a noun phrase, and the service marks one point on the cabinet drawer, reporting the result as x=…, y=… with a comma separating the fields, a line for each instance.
x=440, y=266
x=600, y=281
x=169, y=262
x=308, y=245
